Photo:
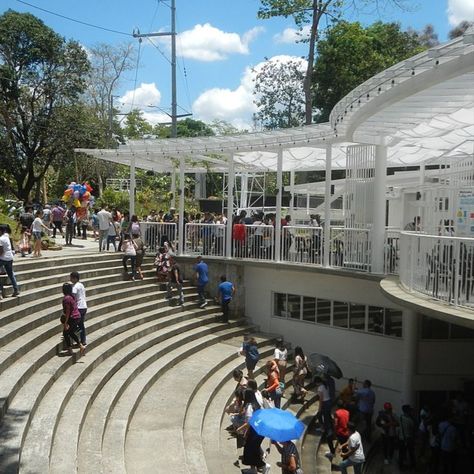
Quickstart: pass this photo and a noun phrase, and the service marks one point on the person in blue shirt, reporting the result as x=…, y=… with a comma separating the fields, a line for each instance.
x=365, y=397
x=226, y=292
x=202, y=278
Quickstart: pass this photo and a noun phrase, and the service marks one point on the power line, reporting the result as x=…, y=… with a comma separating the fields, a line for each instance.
x=159, y=50
x=74, y=20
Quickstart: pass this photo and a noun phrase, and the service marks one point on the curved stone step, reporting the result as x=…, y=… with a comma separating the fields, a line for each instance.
x=75, y=388
x=115, y=435
x=14, y=427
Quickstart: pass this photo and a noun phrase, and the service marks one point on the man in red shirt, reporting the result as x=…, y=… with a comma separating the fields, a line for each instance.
x=341, y=429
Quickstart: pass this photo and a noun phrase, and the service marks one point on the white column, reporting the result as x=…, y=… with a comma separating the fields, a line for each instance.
x=292, y=191
x=327, y=207
x=409, y=355
x=230, y=207
x=421, y=207
x=278, y=206
x=173, y=188
x=244, y=182
x=378, y=228
x=181, y=236
x=132, y=185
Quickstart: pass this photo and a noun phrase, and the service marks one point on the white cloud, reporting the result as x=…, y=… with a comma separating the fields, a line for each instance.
x=234, y=106
x=460, y=10
x=292, y=35
x=144, y=95
x=207, y=43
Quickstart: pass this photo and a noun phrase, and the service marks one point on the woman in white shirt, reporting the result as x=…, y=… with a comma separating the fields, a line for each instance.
x=37, y=229
x=299, y=373
x=129, y=248
x=324, y=410
x=280, y=356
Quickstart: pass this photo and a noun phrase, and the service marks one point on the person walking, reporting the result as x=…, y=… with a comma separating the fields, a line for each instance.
x=202, y=279
x=175, y=279
x=272, y=387
x=37, y=230
x=250, y=351
x=352, y=451
x=69, y=226
x=70, y=320
x=130, y=252
x=104, y=217
x=6, y=259
x=388, y=423
x=324, y=411
x=79, y=292
x=112, y=236
x=57, y=216
x=140, y=248
x=226, y=291
x=341, y=431
x=299, y=373
x=290, y=458
x=365, y=397
x=407, y=438
x=280, y=356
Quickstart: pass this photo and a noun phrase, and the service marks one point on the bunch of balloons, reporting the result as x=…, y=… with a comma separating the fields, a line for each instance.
x=79, y=195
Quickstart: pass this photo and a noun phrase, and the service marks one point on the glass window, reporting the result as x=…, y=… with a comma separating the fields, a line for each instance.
x=339, y=314
x=460, y=332
x=323, y=311
x=309, y=309
x=432, y=328
x=393, y=322
x=279, y=305
x=357, y=316
x=294, y=306
x=376, y=319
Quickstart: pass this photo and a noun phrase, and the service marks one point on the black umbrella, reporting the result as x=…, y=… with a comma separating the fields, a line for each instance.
x=325, y=365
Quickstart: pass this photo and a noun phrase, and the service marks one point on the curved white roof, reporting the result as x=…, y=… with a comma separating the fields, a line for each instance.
x=422, y=108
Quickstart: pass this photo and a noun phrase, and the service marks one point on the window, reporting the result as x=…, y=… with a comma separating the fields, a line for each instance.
x=340, y=314
x=309, y=309
x=294, y=306
x=323, y=312
x=376, y=319
x=279, y=305
x=357, y=316
x=393, y=322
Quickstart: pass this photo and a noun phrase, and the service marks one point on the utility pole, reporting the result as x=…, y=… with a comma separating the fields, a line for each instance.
x=172, y=33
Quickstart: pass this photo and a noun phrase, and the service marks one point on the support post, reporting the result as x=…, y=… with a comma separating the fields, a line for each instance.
x=181, y=235
x=378, y=228
x=409, y=361
x=230, y=207
x=132, y=185
x=292, y=191
x=173, y=189
x=327, y=207
x=421, y=207
x=278, y=205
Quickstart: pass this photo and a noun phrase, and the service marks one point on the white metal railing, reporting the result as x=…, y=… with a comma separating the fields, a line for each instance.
x=392, y=251
x=256, y=242
x=155, y=234
x=438, y=266
x=350, y=248
x=302, y=244
x=205, y=239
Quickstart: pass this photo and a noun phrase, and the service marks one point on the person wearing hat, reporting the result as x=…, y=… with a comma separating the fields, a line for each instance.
x=388, y=423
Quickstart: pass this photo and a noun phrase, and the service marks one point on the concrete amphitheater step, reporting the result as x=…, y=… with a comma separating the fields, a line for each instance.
x=115, y=437
x=61, y=411
x=197, y=408
x=30, y=376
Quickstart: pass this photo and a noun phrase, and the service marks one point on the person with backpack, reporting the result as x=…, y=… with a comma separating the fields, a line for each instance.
x=290, y=458
x=175, y=279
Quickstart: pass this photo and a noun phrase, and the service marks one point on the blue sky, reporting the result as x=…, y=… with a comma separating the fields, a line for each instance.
x=219, y=42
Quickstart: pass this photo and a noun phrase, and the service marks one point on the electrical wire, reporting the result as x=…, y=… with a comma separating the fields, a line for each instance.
x=184, y=73
x=136, y=72
x=74, y=20
x=159, y=49
x=154, y=15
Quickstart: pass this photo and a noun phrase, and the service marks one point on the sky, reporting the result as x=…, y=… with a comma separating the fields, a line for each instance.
x=220, y=43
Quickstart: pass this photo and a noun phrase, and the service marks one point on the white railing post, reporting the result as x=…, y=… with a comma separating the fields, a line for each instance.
x=327, y=208
x=455, y=278
x=181, y=207
x=230, y=207
x=378, y=229
x=132, y=186
x=277, y=255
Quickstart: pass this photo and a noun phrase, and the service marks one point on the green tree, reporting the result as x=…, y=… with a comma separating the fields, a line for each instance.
x=185, y=128
x=136, y=126
x=41, y=78
x=279, y=93
x=350, y=54
x=460, y=29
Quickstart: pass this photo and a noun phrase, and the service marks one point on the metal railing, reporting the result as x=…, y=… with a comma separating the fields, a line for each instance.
x=205, y=239
x=350, y=248
x=392, y=251
x=439, y=267
x=155, y=234
x=302, y=244
x=255, y=242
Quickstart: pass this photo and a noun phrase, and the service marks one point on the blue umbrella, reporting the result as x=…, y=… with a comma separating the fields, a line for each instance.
x=276, y=424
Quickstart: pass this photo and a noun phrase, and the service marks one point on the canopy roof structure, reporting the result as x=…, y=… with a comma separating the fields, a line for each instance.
x=422, y=109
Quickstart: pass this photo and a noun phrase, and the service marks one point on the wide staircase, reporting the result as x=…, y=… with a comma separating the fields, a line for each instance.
x=149, y=395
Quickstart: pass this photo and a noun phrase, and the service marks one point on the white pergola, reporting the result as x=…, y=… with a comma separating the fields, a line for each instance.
x=419, y=111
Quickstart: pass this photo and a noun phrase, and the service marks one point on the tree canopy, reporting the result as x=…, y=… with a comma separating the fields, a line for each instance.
x=41, y=78
x=350, y=54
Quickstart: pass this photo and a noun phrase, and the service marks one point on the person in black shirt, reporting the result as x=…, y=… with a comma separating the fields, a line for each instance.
x=175, y=279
